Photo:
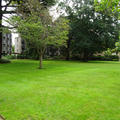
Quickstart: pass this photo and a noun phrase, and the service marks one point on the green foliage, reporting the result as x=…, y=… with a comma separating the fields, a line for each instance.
x=46, y=3
x=61, y=31
x=105, y=58
x=13, y=49
x=40, y=35
x=108, y=6
x=4, y=61
x=117, y=44
x=10, y=57
x=108, y=52
x=91, y=32
x=38, y=29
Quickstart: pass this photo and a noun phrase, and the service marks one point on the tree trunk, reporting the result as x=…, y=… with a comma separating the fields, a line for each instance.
x=0, y=45
x=0, y=29
x=41, y=59
x=68, y=49
x=85, y=57
x=68, y=54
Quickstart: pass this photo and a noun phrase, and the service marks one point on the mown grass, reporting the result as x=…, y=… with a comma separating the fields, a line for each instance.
x=61, y=91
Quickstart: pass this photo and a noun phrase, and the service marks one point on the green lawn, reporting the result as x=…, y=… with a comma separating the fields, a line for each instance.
x=61, y=91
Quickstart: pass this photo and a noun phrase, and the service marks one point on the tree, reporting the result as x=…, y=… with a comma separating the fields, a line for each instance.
x=38, y=29
x=4, y=9
x=91, y=32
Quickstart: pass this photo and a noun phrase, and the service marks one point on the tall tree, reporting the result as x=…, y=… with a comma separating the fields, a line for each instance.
x=91, y=32
x=4, y=9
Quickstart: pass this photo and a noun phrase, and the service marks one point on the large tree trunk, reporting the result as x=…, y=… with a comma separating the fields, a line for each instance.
x=41, y=59
x=0, y=29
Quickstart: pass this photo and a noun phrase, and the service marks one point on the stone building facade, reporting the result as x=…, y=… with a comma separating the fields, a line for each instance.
x=19, y=45
x=7, y=43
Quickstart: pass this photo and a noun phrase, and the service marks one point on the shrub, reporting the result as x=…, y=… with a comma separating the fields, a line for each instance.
x=105, y=58
x=3, y=61
x=20, y=56
x=10, y=57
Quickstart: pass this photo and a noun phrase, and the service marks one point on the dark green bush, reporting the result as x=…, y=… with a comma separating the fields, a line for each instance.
x=3, y=61
x=20, y=56
x=23, y=56
x=10, y=57
x=100, y=58
x=76, y=57
x=105, y=58
x=54, y=58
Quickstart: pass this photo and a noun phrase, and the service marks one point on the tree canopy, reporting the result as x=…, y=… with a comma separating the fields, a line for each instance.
x=91, y=31
x=38, y=29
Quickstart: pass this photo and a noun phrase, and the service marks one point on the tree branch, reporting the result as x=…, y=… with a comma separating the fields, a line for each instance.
x=8, y=27
x=8, y=12
x=7, y=21
x=5, y=17
x=10, y=6
x=7, y=5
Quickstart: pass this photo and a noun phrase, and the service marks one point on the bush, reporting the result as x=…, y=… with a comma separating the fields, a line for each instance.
x=76, y=57
x=20, y=56
x=105, y=58
x=24, y=56
x=54, y=57
x=10, y=57
x=3, y=61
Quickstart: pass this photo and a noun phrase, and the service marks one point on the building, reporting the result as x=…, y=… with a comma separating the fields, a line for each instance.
x=19, y=45
x=18, y=49
x=7, y=44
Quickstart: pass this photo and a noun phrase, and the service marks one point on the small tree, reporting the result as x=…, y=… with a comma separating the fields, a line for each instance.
x=39, y=35
x=38, y=29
